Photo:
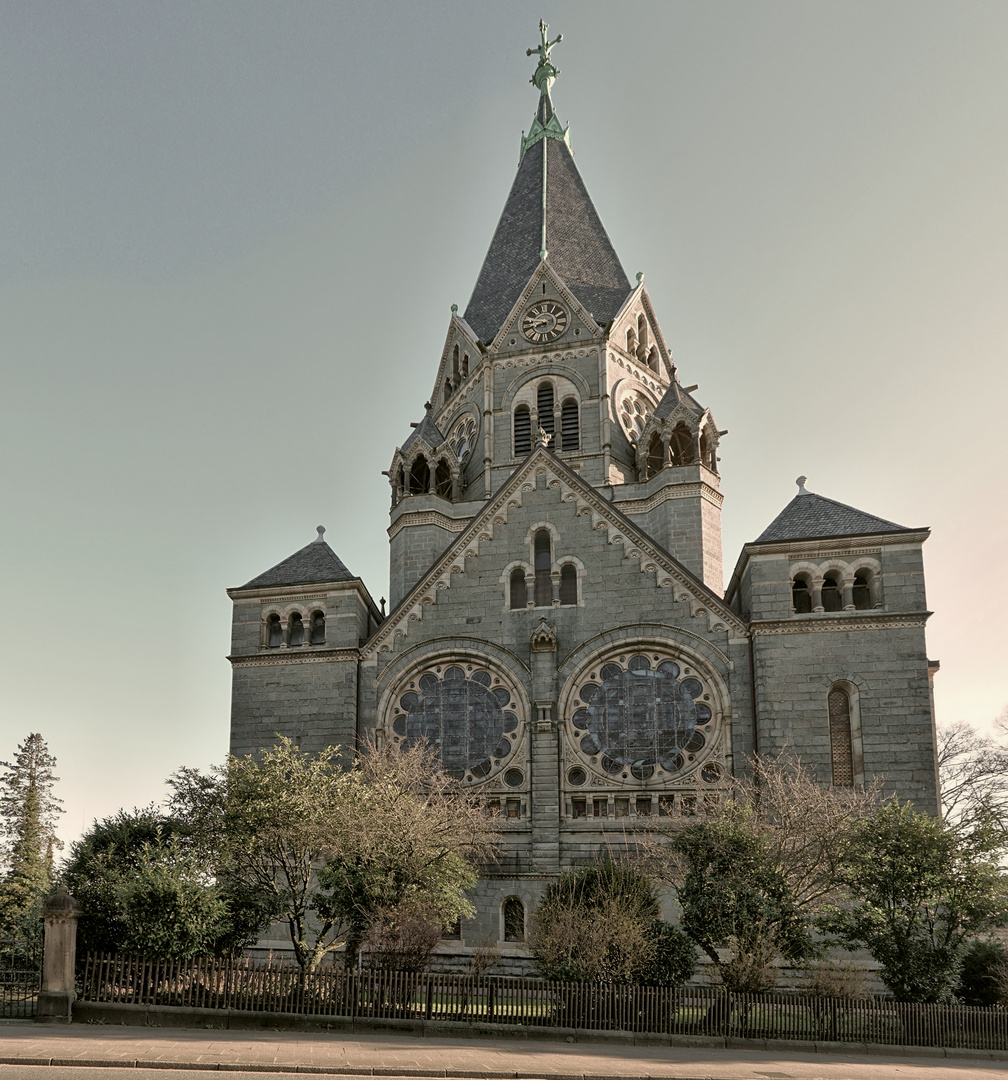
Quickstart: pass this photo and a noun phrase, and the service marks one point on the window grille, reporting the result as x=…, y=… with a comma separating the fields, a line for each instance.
x=841, y=749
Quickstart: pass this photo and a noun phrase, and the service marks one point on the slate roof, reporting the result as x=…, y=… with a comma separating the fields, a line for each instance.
x=576, y=241
x=809, y=516
x=427, y=430
x=313, y=564
x=672, y=398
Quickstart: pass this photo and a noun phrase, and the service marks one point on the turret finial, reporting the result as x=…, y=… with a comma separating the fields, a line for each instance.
x=320, y=529
x=454, y=309
x=640, y=277
x=546, y=73
x=801, y=485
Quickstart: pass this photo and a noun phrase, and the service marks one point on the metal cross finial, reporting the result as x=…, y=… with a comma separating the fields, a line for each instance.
x=545, y=73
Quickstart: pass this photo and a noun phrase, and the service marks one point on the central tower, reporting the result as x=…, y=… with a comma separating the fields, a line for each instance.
x=556, y=347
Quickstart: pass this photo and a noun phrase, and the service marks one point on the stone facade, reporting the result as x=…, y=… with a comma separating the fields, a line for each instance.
x=558, y=624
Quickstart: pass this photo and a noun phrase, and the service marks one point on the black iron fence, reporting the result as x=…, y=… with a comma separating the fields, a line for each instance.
x=271, y=986
x=20, y=976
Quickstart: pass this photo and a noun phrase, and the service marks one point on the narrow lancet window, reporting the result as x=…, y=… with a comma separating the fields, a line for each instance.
x=519, y=589
x=832, y=598
x=317, y=628
x=274, y=632
x=801, y=598
x=568, y=584
x=861, y=593
x=296, y=634
x=543, y=565
x=514, y=919
x=841, y=748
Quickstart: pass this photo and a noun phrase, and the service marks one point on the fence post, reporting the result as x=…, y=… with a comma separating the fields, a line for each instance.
x=60, y=912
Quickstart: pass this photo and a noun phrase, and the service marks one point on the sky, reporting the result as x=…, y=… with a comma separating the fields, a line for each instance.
x=231, y=233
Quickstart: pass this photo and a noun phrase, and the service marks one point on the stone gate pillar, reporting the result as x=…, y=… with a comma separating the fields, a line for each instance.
x=59, y=912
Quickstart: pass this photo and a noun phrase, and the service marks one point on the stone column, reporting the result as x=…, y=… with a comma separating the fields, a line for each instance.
x=60, y=913
x=545, y=798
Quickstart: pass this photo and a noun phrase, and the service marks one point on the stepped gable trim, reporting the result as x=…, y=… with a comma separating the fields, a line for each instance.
x=653, y=557
x=545, y=268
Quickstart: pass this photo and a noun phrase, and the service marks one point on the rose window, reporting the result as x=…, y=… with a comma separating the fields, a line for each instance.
x=642, y=716
x=462, y=437
x=471, y=718
x=634, y=410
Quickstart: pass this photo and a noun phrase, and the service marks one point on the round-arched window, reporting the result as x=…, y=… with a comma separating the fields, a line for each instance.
x=642, y=716
x=470, y=717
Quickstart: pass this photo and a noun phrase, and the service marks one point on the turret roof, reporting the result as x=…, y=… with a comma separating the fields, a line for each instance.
x=313, y=564
x=426, y=430
x=809, y=516
x=673, y=397
x=548, y=215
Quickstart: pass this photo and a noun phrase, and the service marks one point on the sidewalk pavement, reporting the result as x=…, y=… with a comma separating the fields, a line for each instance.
x=492, y=1059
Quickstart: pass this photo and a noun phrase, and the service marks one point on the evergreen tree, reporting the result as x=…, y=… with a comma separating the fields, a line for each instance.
x=28, y=814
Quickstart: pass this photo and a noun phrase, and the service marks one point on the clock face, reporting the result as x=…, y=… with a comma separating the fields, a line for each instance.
x=545, y=320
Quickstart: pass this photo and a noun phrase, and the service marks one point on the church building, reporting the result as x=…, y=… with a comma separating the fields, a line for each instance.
x=559, y=626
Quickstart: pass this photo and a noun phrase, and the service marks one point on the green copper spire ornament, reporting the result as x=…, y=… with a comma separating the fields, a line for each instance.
x=545, y=124
x=545, y=74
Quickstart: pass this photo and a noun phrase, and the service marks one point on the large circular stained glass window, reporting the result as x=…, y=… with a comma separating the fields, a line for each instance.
x=470, y=717
x=641, y=716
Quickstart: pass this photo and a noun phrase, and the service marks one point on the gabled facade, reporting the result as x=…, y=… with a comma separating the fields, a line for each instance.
x=557, y=624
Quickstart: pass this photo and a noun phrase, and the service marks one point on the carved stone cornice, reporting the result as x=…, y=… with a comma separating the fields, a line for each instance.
x=839, y=623
x=427, y=517
x=291, y=656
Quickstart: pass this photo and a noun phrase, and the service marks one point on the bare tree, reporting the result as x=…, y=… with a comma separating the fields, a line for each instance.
x=973, y=770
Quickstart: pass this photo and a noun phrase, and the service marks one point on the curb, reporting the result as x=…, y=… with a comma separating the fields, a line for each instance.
x=335, y=1070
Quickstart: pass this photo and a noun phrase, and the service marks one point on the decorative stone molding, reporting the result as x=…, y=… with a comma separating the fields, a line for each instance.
x=317, y=655
x=543, y=637
x=839, y=623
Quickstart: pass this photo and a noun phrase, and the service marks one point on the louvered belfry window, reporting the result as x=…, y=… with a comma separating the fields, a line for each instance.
x=544, y=405
x=570, y=436
x=522, y=431
x=840, y=738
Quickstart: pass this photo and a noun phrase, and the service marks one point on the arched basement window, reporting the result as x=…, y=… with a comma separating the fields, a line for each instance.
x=832, y=597
x=543, y=563
x=568, y=584
x=862, y=592
x=570, y=424
x=419, y=476
x=544, y=405
x=514, y=919
x=274, y=632
x=841, y=749
x=655, y=456
x=522, y=431
x=443, y=480
x=519, y=589
x=801, y=598
x=296, y=636
x=317, y=628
